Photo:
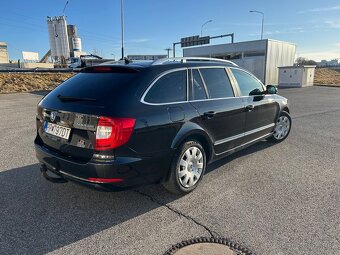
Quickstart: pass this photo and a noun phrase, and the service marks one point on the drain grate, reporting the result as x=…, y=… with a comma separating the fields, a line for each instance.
x=208, y=245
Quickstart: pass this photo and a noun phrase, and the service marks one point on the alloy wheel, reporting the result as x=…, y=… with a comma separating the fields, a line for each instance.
x=282, y=128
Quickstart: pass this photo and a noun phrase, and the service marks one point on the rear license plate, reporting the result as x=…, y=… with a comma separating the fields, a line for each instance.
x=56, y=130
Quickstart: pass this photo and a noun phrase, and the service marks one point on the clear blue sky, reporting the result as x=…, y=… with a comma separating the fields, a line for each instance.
x=153, y=25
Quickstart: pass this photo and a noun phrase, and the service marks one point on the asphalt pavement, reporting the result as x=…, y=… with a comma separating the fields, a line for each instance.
x=273, y=199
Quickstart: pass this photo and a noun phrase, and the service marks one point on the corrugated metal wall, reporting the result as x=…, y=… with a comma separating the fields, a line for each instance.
x=278, y=54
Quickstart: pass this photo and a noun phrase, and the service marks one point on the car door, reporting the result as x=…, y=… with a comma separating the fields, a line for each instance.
x=164, y=112
x=221, y=114
x=261, y=109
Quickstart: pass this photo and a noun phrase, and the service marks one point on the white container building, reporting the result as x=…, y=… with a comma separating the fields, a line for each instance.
x=261, y=57
x=296, y=76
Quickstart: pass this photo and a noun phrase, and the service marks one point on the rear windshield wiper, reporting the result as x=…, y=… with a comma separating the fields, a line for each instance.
x=72, y=99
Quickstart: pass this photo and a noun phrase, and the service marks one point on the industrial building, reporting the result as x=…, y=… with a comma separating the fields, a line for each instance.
x=261, y=57
x=74, y=41
x=64, y=40
x=3, y=53
x=326, y=63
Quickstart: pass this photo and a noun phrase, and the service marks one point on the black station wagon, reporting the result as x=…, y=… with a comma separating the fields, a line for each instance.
x=118, y=126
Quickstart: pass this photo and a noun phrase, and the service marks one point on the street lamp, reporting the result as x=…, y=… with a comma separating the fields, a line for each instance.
x=204, y=25
x=262, y=21
x=122, y=21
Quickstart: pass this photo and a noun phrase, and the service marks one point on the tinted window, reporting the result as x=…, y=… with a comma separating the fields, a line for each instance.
x=246, y=82
x=95, y=85
x=217, y=82
x=170, y=88
x=197, y=87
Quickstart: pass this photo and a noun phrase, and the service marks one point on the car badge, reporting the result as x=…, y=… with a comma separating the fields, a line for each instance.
x=53, y=116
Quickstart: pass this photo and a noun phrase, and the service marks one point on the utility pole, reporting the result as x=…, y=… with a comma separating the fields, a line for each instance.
x=168, y=51
x=122, y=21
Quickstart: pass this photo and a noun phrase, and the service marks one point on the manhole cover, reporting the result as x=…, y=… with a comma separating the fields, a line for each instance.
x=208, y=246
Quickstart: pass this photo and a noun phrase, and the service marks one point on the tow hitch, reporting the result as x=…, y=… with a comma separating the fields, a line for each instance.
x=43, y=170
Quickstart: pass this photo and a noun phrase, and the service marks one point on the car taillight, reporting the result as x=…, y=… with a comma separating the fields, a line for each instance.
x=113, y=132
x=104, y=180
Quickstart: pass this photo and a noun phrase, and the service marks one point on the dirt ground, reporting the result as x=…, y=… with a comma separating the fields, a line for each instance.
x=324, y=76
x=28, y=82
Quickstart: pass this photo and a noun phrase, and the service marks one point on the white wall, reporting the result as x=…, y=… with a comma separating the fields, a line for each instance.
x=290, y=77
x=278, y=54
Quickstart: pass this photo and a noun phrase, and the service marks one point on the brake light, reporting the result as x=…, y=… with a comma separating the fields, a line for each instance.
x=102, y=69
x=113, y=132
x=104, y=180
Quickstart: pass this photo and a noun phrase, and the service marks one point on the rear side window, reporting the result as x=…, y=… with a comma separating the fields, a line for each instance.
x=170, y=88
x=217, y=82
x=246, y=82
x=197, y=91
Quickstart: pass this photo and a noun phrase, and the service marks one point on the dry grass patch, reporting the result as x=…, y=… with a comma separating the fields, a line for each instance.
x=29, y=82
x=324, y=76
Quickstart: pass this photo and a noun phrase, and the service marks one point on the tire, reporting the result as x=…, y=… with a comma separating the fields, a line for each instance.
x=186, y=169
x=282, y=128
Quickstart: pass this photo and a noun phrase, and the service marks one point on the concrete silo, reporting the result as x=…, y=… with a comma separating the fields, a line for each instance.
x=58, y=37
x=74, y=40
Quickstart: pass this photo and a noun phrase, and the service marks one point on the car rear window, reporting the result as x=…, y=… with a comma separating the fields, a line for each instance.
x=95, y=85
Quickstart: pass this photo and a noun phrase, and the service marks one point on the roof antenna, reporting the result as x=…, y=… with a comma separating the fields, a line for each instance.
x=65, y=8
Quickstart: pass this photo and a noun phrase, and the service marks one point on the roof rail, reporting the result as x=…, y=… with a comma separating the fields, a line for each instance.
x=185, y=59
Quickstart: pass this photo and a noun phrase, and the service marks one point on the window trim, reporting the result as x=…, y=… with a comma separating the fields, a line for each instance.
x=204, y=84
x=158, y=78
x=230, y=76
x=191, y=85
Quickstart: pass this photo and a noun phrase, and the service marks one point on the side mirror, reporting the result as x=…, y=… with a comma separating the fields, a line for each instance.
x=258, y=94
x=271, y=89
x=255, y=92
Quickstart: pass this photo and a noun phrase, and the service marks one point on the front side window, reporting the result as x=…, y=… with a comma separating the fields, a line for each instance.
x=217, y=82
x=170, y=88
x=247, y=83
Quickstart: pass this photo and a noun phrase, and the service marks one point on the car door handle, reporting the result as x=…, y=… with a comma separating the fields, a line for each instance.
x=249, y=108
x=209, y=115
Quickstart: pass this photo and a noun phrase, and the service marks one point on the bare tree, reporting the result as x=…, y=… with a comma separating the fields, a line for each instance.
x=300, y=61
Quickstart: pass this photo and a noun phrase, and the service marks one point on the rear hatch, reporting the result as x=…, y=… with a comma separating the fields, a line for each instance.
x=67, y=117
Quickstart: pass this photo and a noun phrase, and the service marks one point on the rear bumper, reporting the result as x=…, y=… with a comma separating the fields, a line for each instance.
x=133, y=171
